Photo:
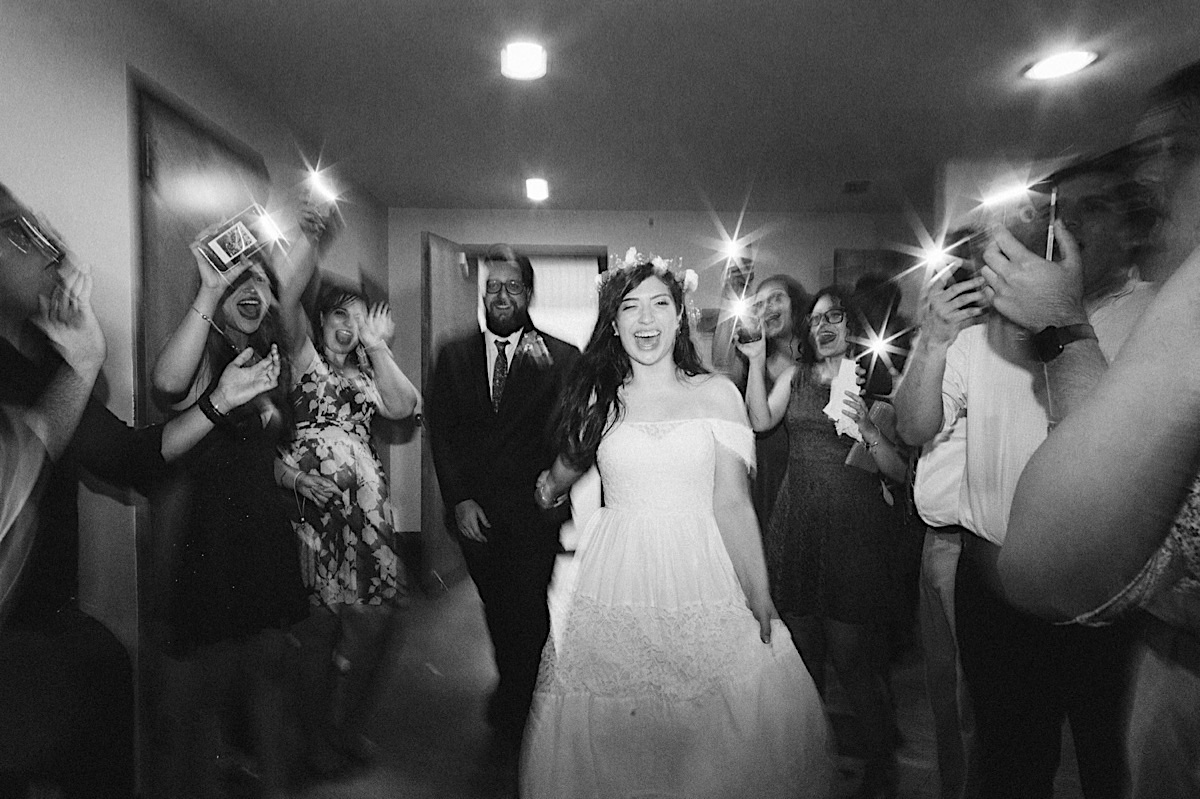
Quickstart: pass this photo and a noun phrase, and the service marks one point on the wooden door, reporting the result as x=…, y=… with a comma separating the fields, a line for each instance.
x=190, y=175
x=450, y=303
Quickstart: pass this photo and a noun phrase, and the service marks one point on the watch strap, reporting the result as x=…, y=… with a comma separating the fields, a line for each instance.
x=1049, y=342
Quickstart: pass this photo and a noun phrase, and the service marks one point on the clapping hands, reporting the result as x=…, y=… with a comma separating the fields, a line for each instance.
x=240, y=383
x=375, y=327
x=69, y=322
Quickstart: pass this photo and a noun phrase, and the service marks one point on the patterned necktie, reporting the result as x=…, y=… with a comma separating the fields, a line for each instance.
x=499, y=374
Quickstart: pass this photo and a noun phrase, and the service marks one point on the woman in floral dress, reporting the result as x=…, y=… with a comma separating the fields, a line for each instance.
x=342, y=518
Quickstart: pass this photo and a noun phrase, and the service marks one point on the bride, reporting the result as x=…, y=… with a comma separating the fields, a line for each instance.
x=671, y=675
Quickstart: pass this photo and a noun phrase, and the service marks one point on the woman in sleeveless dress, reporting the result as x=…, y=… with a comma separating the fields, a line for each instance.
x=670, y=674
x=830, y=542
x=236, y=589
x=781, y=305
x=343, y=519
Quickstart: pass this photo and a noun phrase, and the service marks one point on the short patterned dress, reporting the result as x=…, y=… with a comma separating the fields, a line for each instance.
x=831, y=539
x=348, y=548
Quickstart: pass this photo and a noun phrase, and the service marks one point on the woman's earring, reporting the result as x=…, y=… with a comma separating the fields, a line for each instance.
x=614, y=327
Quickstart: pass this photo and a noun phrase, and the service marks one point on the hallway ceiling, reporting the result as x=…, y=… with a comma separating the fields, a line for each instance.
x=688, y=104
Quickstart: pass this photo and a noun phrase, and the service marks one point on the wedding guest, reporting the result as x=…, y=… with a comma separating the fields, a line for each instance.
x=779, y=306
x=66, y=682
x=1120, y=537
x=347, y=535
x=237, y=587
x=829, y=540
x=1025, y=676
x=671, y=675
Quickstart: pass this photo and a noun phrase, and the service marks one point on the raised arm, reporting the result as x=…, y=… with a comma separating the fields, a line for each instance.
x=177, y=372
x=296, y=270
x=71, y=326
x=399, y=398
x=1100, y=494
x=1036, y=294
x=946, y=311
x=766, y=409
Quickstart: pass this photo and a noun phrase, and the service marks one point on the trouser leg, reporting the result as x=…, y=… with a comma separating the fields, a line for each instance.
x=953, y=718
x=1005, y=657
x=859, y=655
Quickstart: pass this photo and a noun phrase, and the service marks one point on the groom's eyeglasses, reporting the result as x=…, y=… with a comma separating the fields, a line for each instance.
x=514, y=287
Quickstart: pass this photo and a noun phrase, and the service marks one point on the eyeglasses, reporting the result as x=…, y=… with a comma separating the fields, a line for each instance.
x=834, y=316
x=514, y=287
x=24, y=234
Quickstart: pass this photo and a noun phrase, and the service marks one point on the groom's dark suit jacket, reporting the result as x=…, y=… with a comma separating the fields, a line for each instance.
x=495, y=456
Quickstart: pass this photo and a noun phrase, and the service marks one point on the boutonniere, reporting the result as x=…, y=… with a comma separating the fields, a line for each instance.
x=532, y=346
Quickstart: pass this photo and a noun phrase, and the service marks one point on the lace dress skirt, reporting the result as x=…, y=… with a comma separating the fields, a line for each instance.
x=656, y=682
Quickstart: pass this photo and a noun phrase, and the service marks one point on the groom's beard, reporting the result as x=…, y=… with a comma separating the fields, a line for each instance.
x=509, y=323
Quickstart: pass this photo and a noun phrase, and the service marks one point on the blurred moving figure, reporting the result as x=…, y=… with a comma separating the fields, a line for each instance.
x=237, y=587
x=66, y=684
x=1025, y=675
x=1105, y=522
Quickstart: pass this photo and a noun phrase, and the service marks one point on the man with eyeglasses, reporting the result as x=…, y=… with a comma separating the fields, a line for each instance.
x=1024, y=675
x=492, y=400
x=66, y=683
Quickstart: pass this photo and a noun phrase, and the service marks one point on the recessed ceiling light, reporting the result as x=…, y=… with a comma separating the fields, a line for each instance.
x=537, y=189
x=523, y=61
x=1060, y=64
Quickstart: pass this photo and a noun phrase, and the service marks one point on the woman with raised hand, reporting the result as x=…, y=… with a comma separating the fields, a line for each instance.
x=829, y=541
x=780, y=304
x=670, y=674
x=236, y=589
x=342, y=518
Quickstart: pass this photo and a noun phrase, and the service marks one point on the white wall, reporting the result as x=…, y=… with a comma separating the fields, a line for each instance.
x=66, y=128
x=795, y=244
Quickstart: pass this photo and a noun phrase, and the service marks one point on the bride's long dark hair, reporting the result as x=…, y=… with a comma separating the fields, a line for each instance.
x=591, y=400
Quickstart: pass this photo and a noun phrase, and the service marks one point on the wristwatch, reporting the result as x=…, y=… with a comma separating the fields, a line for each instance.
x=1049, y=342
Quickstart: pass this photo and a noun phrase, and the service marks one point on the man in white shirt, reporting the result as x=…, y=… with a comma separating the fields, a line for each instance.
x=1026, y=675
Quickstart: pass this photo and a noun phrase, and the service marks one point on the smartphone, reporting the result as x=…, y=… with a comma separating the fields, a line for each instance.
x=748, y=328
x=1029, y=216
x=878, y=382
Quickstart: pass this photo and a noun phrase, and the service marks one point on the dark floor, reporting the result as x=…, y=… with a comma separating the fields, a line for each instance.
x=434, y=742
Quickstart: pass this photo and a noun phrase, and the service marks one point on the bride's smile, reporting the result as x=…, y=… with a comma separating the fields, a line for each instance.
x=647, y=322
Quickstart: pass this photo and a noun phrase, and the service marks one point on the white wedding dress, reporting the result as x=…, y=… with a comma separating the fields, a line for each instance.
x=657, y=683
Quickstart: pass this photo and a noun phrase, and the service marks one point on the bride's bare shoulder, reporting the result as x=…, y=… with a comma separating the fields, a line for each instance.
x=717, y=397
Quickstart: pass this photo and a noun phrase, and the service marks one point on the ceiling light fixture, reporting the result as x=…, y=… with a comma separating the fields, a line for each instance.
x=537, y=189
x=1060, y=64
x=523, y=61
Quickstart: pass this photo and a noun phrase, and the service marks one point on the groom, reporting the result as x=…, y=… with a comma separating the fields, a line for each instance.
x=492, y=400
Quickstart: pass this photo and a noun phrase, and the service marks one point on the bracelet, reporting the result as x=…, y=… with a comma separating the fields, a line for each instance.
x=208, y=409
x=872, y=445
x=380, y=346
x=296, y=480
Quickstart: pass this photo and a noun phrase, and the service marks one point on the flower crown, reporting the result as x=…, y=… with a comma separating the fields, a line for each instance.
x=662, y=267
